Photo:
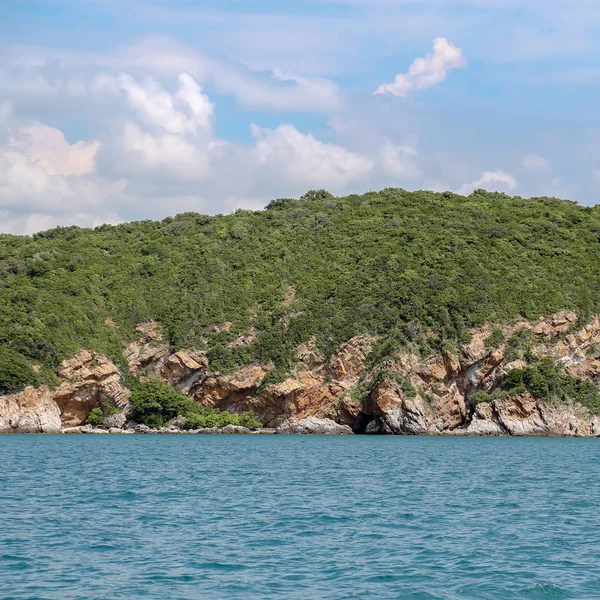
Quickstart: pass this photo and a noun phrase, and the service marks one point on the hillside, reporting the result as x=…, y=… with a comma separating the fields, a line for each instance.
x=409, y=270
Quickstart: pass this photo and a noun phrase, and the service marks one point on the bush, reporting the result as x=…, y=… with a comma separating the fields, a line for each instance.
x=15, y=372
x=494, y=340
x=316, y=195
x=415, y=269
x=96, y=417
x=213, y=418
x=547, y=381
x=154, y=403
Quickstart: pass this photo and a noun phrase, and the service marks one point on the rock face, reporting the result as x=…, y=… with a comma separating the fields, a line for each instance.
x=316, y=388
x=147, y=351
x=524, y=415
x=31, y=411
x=430, y=396
x=88, y=380
x=407, y=395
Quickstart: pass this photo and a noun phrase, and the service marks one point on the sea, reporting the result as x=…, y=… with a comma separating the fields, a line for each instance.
x=298, y=517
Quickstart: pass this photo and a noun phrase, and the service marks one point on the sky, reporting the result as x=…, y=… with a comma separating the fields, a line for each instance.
x=114, y=111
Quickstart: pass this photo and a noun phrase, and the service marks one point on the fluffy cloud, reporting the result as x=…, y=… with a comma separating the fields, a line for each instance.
x=27, y=185
x=426, y=72
x=491, y=180
x=159, y=157
x=534, y=161
x=44, y=180
x=304, y=159
x=48, y=147
x=32, y=74
x=188, y=111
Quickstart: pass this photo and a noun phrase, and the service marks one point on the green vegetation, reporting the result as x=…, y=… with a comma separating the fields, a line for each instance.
x=519, y=346
x=155, y=403
x=207, y=417
x=419, y=268
x=548, y=381
x=96, y=417
x=494, y=340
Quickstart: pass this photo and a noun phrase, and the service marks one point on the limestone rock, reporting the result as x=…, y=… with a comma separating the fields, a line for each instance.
x=182, y=369
x=88, y=380
x=312, y=425
x=148, y=351
x=115, y=420
x=484, y=422
x=31, y=411
x=400, y=413
x=348, y=362
x=525, y=415
x=234, y=429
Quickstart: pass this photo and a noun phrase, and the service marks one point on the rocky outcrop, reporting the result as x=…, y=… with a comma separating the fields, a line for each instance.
x=435, y=398
x=408, y=395
x=31, y=411
x=182, y=369
x=149, y=351
x=315, y=389
x=525, y=415
x=312, y=425
x=89, y=380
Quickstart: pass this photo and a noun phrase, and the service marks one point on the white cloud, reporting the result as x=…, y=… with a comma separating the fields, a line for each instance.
x=185, y=112
x=27, y=186
x=534, y=161
x=304, y=159
x=44, y=179
x=426, y=72
x=64, y=74
x=271, y=89
x=398, y=161
x=492, y=181
x=48, y=147
x=159, y=156
x=174, y=155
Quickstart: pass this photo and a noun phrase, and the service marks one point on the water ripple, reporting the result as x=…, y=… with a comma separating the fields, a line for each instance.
x=263, y=517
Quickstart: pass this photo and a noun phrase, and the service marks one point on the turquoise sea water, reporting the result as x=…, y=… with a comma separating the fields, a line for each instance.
x=298, y=517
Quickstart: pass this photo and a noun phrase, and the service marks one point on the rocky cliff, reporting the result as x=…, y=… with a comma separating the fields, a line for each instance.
x=406, y=395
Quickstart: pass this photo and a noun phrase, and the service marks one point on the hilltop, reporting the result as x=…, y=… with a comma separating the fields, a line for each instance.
x=413, y=272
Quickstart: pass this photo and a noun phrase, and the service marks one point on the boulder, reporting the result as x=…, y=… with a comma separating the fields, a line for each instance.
x=313, y=425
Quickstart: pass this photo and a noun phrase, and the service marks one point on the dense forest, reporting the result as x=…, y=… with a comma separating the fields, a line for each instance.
x=411, y=267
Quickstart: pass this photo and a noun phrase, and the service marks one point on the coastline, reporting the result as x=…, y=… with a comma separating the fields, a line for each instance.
x=299, y=429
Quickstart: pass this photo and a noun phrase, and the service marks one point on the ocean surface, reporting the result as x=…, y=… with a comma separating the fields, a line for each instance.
x=184, y=516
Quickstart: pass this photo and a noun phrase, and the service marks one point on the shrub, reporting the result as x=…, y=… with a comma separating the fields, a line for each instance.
x=548, y=381
x=15, y=372
x=212, y=418
x=316, y=195
x=96, y=417
x=154, y=403
x=494, y=340
x=447, y=263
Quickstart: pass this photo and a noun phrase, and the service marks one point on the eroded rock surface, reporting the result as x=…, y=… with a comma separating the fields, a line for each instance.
x=31, y=411
x=88, y=380
x=149, y=351
x=313, y=425
x=408, y=395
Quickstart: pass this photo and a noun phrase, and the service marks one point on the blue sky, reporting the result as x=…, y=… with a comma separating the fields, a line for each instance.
x=113, y=110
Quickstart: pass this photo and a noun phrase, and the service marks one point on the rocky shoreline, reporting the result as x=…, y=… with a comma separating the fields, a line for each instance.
x=407, y=395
